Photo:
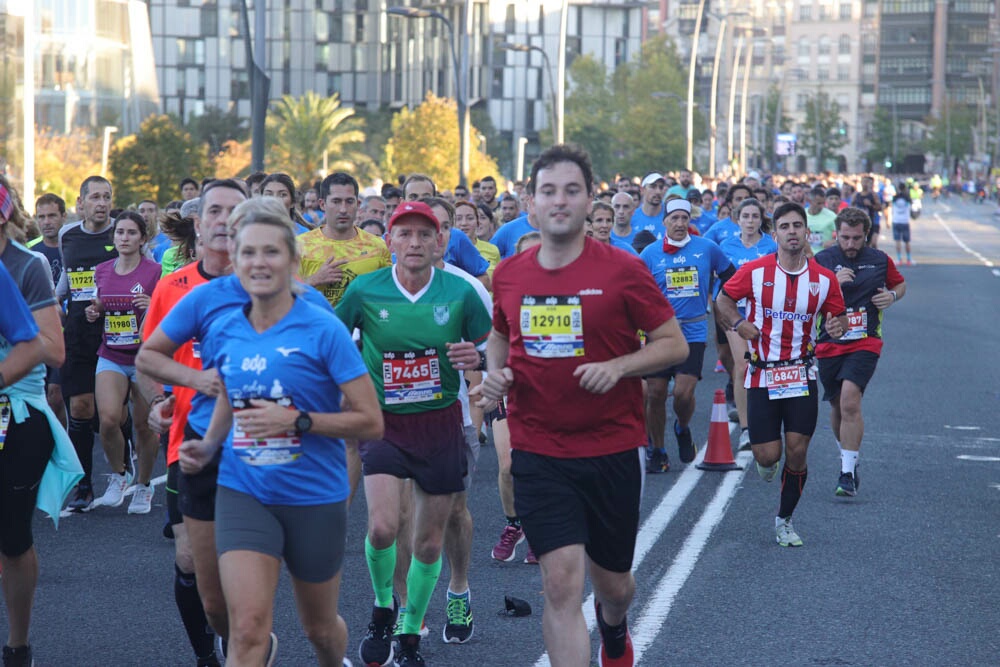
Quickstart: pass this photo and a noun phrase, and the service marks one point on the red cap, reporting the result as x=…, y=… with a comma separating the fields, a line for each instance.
x=416, y=209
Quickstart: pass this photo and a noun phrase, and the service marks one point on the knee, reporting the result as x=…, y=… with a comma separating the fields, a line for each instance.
x=427, y=546
x=110, y=422
x=248, y=627
x=656, y=394
x=321, y=634
x=562, y=591
x=213, y=602
x=382, y=530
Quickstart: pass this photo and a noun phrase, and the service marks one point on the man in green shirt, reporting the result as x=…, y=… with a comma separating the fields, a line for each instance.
x=821, y=220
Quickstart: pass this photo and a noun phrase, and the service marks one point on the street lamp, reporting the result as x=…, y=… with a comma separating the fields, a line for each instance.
x=557, y=127
x=713, y=127
x=691, y=71
x=461, y=76
x=108, y=131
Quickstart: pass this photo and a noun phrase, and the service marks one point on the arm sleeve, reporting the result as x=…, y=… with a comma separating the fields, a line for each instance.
x=16, y=322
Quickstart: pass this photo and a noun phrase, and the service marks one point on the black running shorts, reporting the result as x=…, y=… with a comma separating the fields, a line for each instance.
x=765, y=417
x=26, y=452
x=690, y=366
x=592, y=501
x=428, y=447
x=82, y=340
x=858, y=367
x=196, y=493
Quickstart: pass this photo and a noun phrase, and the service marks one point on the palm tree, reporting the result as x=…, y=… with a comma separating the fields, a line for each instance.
x=302, y=129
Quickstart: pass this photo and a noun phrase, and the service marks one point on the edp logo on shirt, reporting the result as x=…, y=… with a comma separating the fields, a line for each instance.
x=257, y=364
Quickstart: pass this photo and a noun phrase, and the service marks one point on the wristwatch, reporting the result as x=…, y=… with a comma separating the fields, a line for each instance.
x=303, y=423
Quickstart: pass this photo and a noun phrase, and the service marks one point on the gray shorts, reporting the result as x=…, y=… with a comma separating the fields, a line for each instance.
x=289, y=532
x=471, y=454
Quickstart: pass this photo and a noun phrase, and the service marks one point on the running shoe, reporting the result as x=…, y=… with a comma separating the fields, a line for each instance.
x=272, y=651
x=846, y=486
x=785, y=534
x=616, y=644
x=459, y=628
x=530, y=558
x=685, y=444
x=506, y=547
x=221, y=646
x=17, y=657
x=733, y=413
x=658, y=461
x=744, y=440
x=83, y=499
x=857, y=477
x=376, y=647
x=114, y=496
x=409, y=652
x=767, y=473
x=142, y=499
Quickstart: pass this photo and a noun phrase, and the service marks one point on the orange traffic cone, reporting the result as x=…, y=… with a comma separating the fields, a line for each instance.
x=719, y=455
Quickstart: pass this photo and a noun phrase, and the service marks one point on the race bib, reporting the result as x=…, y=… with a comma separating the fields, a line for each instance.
x=82, y=286
x=4, y=419
x=412, y=376
x=273, y=451
x=681, y=281
x=786, y=382
x=121, y=326
x=857, y=324
x=552, y=326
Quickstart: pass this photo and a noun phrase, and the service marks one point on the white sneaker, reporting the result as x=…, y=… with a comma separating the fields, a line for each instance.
x=767, y=473
x=785, y=534
x=142, y=499
x=114, y=496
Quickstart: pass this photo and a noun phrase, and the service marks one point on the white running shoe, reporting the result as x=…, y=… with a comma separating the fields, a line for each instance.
x=114, y=496
x=785, y=534
x=767, y=473
x=142, y=499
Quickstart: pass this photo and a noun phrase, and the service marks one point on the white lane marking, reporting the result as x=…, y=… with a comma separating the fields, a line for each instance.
x=996, y=272
x=972, y=457
x=964, y=428
x=651, y=530
x=156, y=481
x=654, y=614
x=961, y=244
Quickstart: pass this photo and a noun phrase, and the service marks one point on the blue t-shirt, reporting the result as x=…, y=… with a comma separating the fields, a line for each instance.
x=684, y=277
x=704, y=221
x=627, y=239
x=506, y=237
x=160, y=244
x=652, y=223
x=679, y=190
x=739, y=254
x=192, y=319
x=300, y=363
x=461, y=253
x=17, y=324
x=722, y=230
x=621, y=243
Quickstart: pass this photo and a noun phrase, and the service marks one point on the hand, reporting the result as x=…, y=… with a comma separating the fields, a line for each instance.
x=741, y=329
x=207, y=382
x=161, y=415
x=835, y=326
x=141, y=301
x=266, y=419
x=329, y=273
x=845, y=275
x=599, y=378
x=93, y=311
x=494, y=386
x=194, y=455
x=883, y=298
x=463, y=356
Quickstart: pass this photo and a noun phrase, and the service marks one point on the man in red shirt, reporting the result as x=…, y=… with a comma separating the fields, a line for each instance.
x=565, y=322
x=785, y=293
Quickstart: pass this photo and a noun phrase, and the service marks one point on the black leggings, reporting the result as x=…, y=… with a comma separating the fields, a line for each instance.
x=25, y=454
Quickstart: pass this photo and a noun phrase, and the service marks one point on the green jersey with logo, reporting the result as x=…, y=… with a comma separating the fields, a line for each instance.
x=403, y=336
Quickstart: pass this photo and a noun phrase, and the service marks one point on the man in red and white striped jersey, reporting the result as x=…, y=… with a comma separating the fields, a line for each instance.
x=784, y=292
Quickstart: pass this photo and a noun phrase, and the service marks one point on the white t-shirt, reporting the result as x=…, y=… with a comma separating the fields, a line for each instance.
x=900, y=212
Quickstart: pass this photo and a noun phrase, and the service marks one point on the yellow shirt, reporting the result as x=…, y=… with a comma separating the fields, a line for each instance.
x=490, y=253
x=365, y=252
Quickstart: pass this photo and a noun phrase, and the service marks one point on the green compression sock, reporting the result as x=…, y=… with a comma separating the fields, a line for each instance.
x=420, y=583
x=381, y=565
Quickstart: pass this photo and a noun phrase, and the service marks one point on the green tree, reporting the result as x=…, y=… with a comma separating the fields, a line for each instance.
x=960, y=119
x=150, y=163
x=824, y=130
x=651, y=125
x=63, y=161
x=425, y=140
x=775, y=122
x=590, y=113
x=215, y=127
x=301, y=130
x=884, y=138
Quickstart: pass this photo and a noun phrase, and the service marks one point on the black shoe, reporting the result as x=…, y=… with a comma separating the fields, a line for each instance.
x=657, y=462
x=17, y=657
x=846, y=485
x=376, y=647
x=409, y=652
x=83, y=499
x=685, y=445
x=459, y=628
x=857, y=478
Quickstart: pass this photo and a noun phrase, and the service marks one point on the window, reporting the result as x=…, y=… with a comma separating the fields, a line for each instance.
x=510, y=23
x=843, y=72
x=803, y=48
x=240, y=89
x=800, y=101
x=333, y=83
x=209, y=20
x=496, y=88
x=322, y=56
x=190, y=51
x=824, y=46
x=844, y=45
x=322, y=27
x=805, y=12
x=845, y=11
x=823, y=74
x=824, y=12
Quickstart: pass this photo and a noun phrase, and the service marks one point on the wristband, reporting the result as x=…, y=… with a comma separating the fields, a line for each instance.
x=737, y=323
x=893, y=293
x=482, y=361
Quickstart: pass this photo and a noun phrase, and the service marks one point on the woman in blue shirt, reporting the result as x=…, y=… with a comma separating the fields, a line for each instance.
x=285, y=365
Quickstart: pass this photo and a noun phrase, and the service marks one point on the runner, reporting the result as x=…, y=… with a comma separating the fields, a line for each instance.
x=281, y=186
x=820, y=220
x=124, y=286
x=870, y=283
x=649, y=214
x=785, y=292
x=754, y=242
x=284, y=474
x=467, y=216
x=412, y=318
x=84, y=245
x=564, y=337
x=682, y=266
x=902, y=207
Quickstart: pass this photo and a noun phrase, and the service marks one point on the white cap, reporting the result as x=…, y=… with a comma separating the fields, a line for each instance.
x=679, y=205
x=652, y=178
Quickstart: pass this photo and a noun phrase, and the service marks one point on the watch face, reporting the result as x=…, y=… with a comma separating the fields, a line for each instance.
x=303, y=423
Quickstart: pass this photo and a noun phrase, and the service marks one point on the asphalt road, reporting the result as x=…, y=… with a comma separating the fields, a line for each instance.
x=906, y=573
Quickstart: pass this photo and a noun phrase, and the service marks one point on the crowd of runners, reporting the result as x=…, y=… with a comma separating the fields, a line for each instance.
x=284, y=345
